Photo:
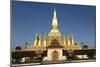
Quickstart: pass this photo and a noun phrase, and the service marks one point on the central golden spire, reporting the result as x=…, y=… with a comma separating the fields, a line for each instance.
x=54, y=31
x=54, y=22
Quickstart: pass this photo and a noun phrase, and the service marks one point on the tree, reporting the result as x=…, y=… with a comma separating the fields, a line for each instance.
x=18, y=48
x=84, y=45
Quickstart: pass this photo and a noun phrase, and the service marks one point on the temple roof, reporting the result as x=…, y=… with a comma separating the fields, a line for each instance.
x=55, y=44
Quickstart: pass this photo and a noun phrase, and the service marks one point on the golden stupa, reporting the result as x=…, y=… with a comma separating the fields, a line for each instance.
x=42, y=43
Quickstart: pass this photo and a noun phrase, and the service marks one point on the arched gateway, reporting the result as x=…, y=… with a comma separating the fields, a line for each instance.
x=55, y=51
x=55, y=56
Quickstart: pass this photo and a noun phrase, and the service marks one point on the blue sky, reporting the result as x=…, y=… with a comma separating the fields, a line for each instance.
x=29, y=18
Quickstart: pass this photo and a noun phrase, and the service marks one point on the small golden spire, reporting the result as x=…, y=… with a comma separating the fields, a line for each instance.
x=71, y=39
x=36, y=40
x=39, y=41
x=44, y=43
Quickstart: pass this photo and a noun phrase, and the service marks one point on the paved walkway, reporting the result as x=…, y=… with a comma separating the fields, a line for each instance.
x=53, y=62
x=29, y=64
